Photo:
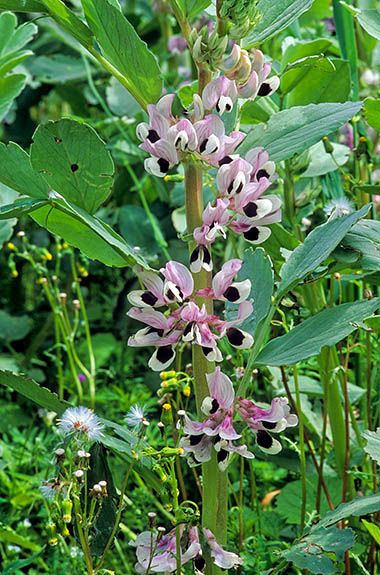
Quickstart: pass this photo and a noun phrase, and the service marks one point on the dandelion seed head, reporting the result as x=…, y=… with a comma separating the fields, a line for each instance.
x=80, y=420
x=136, y=417
x=341, y=206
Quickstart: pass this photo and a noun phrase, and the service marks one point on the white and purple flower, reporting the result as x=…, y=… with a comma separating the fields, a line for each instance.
x=185, y=320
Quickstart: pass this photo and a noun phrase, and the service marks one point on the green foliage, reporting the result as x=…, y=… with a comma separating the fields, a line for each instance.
x=372, y=112
x=257, y=267
x=372, y=446
x=275, y=17
x=317, y=247
x=326, y=328
x=370, y=20
x=124, y=49
x=292, y=131
x=314, y=551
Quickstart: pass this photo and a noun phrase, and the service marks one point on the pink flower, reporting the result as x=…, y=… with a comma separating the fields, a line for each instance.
x=223, y=287
x=221, y=558
x=176, y=44
x=220, y=93
x=187, y=322
x=160, y=553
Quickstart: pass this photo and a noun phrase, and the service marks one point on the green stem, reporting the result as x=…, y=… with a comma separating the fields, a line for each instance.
x=302, y=448
x=118, y=516
x=91, y=375
x=122, y=79
x=82, y=539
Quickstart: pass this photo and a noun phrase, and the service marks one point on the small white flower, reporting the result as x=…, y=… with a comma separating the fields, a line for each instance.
x=81, y=420
x=341, y=206
x=135, y=417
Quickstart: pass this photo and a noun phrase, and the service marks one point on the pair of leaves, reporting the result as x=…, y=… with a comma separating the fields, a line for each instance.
x=292, y=131
x=323, y=329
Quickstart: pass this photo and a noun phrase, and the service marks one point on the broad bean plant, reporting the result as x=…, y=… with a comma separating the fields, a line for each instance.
x=247, y=117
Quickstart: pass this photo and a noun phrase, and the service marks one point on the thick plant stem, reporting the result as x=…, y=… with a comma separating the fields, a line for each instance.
x=214, y=492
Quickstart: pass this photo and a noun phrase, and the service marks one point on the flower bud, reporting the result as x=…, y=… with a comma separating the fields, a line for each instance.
x=329, y=149
x=76, y=304
x=67, y=506
x=52, y=534
x=103, y=485
x=368, y=294
x=166, y=414
x=96, y=491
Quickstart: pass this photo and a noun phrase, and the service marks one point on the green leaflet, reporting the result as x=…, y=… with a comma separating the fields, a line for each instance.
x=370, y=20
x=17, y=173
x=124, y=49
x=87, y=233
x=373, y=444
x=23, y=6
x=372, y=112
x=326, y=80
x=70, y=22
x=325, y=328
x=10, y=88
x=275, y=17
x=32, y=390
x=257, y=267
x=317, y=246
x=292, y=131
x=357, y=507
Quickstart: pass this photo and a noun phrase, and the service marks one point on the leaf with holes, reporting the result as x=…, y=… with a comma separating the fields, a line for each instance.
x=314, y=551
x=74, y=161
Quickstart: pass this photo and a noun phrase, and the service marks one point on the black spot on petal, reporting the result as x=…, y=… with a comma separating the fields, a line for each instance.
x=149, y=298
x=57, y=140
x=252, y=234
x=74, y=167
x=225, y=160
x=188, y=328
x=206, y=256
x=165, y=353
x=164, y=165
x=214, y=406
x=261, y=174
x=195, y=439
x=232, y=293
x=264, y=89
x=235, y=336
x=153, y=136
x=199, y=563
x=250, y=210
x=194, y=255
x=264, y=439
x=269, y=424
x=203, y=145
